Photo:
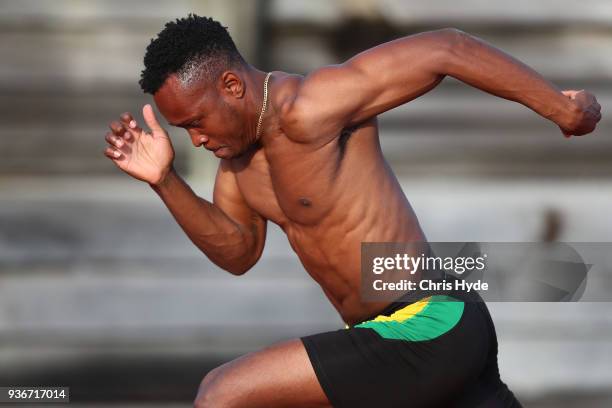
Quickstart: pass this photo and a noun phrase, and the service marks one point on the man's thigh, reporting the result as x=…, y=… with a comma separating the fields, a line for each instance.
x=278, y=376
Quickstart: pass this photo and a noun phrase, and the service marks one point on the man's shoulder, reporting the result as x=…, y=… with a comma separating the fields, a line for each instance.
x=296, y=115
x=283, y=90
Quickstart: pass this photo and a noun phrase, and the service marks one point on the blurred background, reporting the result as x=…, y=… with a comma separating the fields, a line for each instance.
x=101, y=291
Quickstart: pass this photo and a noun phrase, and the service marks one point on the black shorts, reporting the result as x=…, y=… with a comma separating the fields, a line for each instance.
x=440, y=351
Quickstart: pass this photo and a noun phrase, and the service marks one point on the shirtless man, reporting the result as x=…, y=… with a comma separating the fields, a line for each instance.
x=303, y=152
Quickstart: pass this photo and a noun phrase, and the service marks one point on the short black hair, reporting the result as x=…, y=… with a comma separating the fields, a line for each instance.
x=188, y=43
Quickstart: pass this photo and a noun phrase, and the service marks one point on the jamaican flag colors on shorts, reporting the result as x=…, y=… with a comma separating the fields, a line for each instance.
x=438, y=351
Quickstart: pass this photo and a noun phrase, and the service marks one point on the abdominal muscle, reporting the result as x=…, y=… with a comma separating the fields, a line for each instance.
x=331, y=250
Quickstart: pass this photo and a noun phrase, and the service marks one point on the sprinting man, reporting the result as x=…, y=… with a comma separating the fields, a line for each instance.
x=303, y=152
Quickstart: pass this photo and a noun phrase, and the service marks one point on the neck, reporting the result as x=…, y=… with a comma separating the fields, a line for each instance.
x=254, y=99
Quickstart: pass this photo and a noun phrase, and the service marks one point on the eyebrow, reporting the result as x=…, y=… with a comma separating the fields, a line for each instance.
x=185, y=122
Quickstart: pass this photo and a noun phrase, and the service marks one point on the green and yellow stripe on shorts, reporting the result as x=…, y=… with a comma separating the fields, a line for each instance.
x=439, y=351
x=423, y=320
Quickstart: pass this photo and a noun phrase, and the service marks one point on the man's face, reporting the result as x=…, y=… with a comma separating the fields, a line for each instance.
x=211, y=116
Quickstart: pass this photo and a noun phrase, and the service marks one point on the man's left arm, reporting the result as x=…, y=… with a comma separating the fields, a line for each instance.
x=396, y=72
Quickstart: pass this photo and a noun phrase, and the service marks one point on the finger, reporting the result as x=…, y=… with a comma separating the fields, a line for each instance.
x=565, y=133
x=597, y=106
x=112, y=153
x=571, y=93
x=117, y=128
x=126, y=117
x=131, y=125
x=114, y=140
x=150, y=119
x=595, y=114
x=128, y=121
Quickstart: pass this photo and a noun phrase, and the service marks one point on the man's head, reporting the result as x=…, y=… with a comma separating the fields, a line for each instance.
x=197, y=78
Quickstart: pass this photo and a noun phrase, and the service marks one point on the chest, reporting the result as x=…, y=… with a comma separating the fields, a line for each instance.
x=293, y=183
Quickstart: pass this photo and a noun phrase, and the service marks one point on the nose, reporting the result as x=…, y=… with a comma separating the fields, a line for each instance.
x=197, y=139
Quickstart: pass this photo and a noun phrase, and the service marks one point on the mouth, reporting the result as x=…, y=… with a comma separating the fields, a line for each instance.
x=218, y=151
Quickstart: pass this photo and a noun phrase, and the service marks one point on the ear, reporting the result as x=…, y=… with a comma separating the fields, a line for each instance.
x=232, y=84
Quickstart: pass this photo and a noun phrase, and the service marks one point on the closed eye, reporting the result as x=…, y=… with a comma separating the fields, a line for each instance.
x=192, y=124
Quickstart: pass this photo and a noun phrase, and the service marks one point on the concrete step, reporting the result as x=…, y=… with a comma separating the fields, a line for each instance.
x=93, y=273
x=562, y=40
x=53, y=131
x=410, y=12
x=453, y=130
x=572, y=56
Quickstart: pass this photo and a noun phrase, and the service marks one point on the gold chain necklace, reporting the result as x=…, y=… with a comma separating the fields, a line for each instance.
x=265, y=103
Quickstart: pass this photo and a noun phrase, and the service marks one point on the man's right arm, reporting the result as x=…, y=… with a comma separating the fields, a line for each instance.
x=228, y=231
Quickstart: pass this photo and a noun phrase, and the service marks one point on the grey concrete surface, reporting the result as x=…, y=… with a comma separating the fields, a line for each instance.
x=100, y=289
x=92, y=268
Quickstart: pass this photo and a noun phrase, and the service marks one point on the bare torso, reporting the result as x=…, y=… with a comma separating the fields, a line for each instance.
x=328, y=199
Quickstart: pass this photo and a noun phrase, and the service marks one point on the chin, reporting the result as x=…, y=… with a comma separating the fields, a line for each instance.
x=225, y=153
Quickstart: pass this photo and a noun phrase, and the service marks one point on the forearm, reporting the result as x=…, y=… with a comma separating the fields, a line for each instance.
x=478, y=64
x=206, y=225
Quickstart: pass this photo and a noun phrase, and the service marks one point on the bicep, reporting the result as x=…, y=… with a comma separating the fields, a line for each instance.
x=374, y=81
x=229, y=199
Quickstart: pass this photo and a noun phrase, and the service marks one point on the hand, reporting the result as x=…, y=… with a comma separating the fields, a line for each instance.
x=144, y=156
x=587, y=116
